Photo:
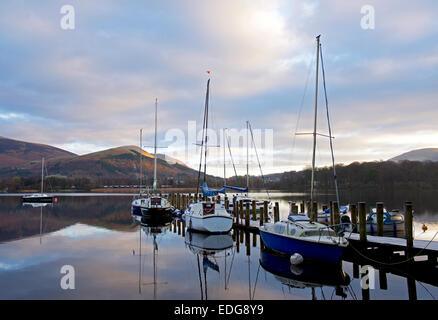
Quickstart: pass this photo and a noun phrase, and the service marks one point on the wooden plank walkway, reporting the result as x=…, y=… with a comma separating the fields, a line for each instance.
x=398, y=242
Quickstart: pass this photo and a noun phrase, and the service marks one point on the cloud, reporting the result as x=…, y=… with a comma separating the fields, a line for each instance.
x=94, y=87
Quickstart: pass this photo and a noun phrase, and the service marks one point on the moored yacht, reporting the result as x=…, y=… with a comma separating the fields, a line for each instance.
x=38, y=197
x=207, y=216
x=151, y=204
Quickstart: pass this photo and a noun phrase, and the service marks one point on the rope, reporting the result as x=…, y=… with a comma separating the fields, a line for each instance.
x=257, y=155
x=329, y=127
x=395, y=263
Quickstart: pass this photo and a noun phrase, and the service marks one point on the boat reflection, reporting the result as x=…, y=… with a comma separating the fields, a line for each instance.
x=210, y=248
x=154, y=227
x=41, y=206
x=306, y=275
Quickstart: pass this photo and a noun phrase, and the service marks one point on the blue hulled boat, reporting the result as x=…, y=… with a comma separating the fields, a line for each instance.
x=298, y=235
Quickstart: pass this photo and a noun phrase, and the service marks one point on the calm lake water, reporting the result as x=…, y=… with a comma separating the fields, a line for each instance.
x=115, y=257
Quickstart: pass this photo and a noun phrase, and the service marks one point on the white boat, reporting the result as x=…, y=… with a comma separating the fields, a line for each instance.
x=152, y=205
x=38, y=197
x=206, y=216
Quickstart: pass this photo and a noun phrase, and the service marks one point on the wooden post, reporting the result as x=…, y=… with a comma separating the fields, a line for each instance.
x=277, y=212
x=332, y=216
x=179, y=227
x=254, y=239
x=183, y=228
x=254, y=210
x=302, y=207
x=218, y=199
x=294, y=209
x=235, y=212
x=379, y=211
x=247, y=211
x=324, y=207
x=262, y=214
x=241, y=209
x=353, y=209
x=265, y=210
x=336, y=215
x=196, y=197
x=315, y=212
x=227, y=204
x=408, y=228
x=247, y=241
x=178, y=200
x=383, y=280
x=362, y=221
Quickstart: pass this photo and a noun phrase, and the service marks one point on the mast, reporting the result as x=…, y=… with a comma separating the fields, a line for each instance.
x=312, y=187
x=141, y=160
x=155, y=148
x=247, y=155
x=225, y=176
x=207, y=95
x=42, y=174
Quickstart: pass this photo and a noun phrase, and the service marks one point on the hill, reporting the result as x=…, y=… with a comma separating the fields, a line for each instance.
x=426, y=154
x=18, y=154
x=23, y=159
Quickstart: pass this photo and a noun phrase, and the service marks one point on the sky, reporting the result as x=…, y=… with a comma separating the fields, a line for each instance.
x=93, y=87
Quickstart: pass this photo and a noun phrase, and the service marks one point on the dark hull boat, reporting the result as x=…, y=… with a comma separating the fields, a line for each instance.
x=35, y=198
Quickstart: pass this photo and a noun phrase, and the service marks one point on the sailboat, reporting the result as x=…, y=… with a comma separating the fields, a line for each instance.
x=299, y=236
x=151, y=204
x=207, y=216
x=207, y=247
x=154, y=229
x=312, y=275
x=242, y=194
x=39, y=197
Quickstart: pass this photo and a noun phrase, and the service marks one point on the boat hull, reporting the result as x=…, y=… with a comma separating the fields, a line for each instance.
x=37, y=199
x=210, y=224
x=309, y=250
x=150, y=212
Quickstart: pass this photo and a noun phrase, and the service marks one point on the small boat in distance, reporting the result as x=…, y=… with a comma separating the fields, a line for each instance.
x=393, y=221
x=38, y=197
x=151, y=204
x=207, y=216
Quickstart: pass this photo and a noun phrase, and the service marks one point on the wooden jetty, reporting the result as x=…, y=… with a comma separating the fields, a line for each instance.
x=386, y=250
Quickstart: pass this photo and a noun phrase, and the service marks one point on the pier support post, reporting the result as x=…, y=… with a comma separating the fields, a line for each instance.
x=408, y=228
x=353, y=209
x=362, y=221
x=336, y=215
x=324, y=207
x=241, y=210
x=254, y=210
x=314, y=216
x=235, y=212
x=294, y=209
x=332, y=217
x=379, y=211
x=302, y=207
x=265, y=211
x=277, y=212
x=247, y=212
x=227, y=204
x=262, y=215
x=248, y=243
